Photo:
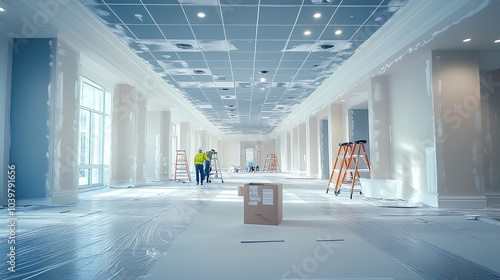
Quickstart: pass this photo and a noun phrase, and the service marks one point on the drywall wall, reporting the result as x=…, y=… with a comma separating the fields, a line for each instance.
x=267, y=147
x=30, y=117
x=380, y=128
x=359, y=130
x=324, y=149
x=5, y=84
x=312, y=145
x=66, y=117
x=153, y=146
x=335, y=131
x=302, y=152
x=459, y=141
x=412, y=130
x=490, y=107
x=230, y=156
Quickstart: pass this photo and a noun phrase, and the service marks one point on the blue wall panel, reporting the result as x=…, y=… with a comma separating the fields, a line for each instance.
x=29, y=118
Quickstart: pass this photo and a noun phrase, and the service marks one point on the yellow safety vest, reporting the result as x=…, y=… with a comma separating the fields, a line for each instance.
x=200, y=158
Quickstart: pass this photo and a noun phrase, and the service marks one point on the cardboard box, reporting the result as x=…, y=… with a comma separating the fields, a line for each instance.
x=263, y=203
x=241, y=191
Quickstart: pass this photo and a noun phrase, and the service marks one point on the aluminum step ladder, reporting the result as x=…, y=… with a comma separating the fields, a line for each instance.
x=215, y=172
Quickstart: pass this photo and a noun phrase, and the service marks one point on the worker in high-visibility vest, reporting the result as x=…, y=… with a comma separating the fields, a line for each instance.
x=207, y=165
x=199, y=159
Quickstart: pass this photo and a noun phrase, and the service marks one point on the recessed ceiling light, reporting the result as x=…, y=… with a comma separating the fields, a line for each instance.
x=262, y=79
x=317, y=15
x=201, y=15
x=467, y=40
x=307, y=32
x=338, y=32
x=2, y=9
x=497, y=41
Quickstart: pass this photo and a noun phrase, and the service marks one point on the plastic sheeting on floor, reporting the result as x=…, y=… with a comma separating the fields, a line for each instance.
x=110, y=234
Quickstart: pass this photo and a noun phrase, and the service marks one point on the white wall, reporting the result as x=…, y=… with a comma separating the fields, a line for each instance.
x=412, y=129
x=153, y=146
x=230, y=155
x=5, y=80
x=490, y=107
x=459, y=139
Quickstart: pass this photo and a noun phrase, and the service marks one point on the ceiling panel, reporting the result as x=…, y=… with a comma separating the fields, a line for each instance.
x=245, y=64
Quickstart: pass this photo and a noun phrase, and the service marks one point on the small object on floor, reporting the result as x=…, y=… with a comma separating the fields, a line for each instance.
x=472, y=217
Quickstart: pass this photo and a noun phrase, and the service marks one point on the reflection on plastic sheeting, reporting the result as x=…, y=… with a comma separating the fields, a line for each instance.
x=424, y=259
x=116, y=237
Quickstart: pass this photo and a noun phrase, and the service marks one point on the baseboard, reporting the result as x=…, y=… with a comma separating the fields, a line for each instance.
x=462, y=202
x=493, y=200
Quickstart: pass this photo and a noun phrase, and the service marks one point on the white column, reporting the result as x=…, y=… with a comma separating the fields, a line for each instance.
x=379, y=125
x=336, y=131
x=66, y=124
x=312, y=145
x=288, y=155
x=295, y=150
x=302, y=152
x=128, y=152
x=5, y=80
x=457, y=108
x=166, y=146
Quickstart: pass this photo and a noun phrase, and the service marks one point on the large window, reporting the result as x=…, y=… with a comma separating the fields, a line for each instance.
x=94, y=144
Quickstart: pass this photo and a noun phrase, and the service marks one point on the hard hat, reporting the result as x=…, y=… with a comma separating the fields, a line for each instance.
x=200, y=149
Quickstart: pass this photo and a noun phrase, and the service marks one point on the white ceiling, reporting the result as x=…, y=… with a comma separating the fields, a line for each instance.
x=248, y=63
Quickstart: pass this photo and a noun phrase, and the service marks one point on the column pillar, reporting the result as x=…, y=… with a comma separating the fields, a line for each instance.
x=128, y=153
x=336, y=131
x=302, y=152
x=379, y=128
x=312, y=144
x=457, y=107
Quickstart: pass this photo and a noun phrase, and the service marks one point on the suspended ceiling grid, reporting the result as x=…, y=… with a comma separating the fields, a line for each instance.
x=245, y=64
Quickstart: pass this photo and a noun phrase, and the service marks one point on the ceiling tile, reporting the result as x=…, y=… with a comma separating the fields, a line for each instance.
x=307, y=15
x=268, y=65
x=382, y=15
x=281, y=2
x=216, y=56
x=146, y=31
x=270, y=45
x=167, y=14
x=278, y=15
x=236, y=32
x=224, y=64
x=274, y=32
x=242, y=55
x=244, y=45
x=242, y=64
x=307, y=33
x=361, y=2
x=132, y=14
x=221, y=72
x=346, y=32
x=239, y=14
x=175, y=31
x=268, y=56
x=352, y=15
x=212, y=14
x=208, y=32
x=106, y=15
x=191, y=56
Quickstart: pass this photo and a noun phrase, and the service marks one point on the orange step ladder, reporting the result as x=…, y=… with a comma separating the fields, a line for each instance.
x=181, y=166
x=271, y=163
x=350, y=155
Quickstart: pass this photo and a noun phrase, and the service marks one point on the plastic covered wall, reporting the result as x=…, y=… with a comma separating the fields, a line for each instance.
x=5, y=83
x=30, y=118
x=490, y=106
